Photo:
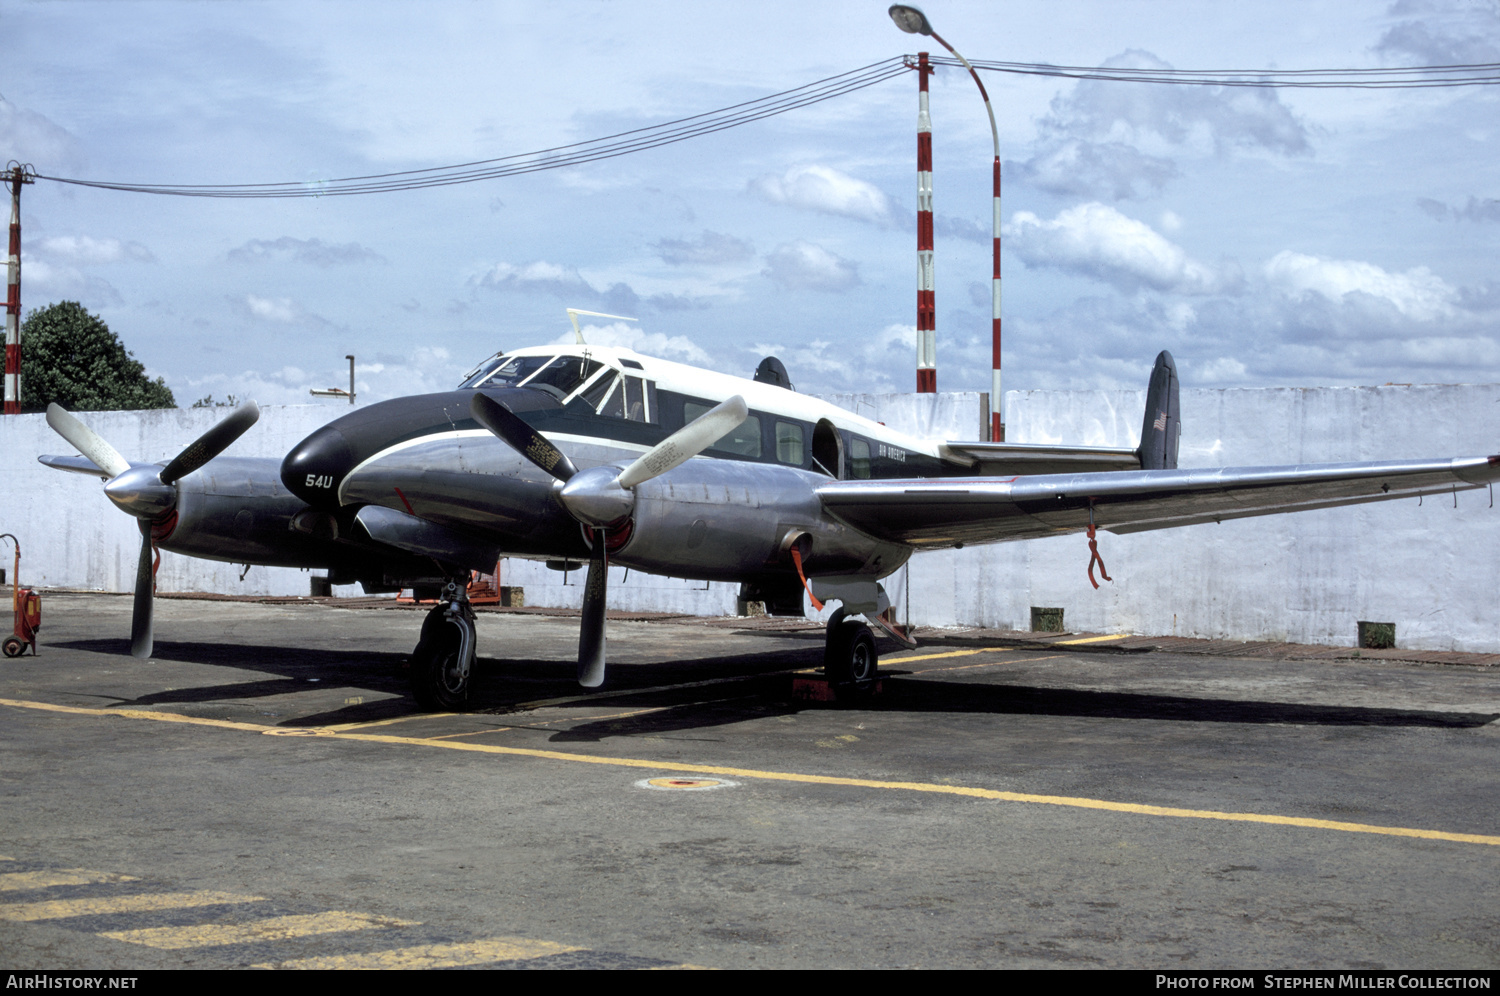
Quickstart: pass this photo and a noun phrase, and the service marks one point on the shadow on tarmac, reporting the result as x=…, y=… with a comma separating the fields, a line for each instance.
x=744, y=687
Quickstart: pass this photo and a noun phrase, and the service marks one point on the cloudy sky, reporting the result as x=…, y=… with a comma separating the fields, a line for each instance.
x=1288, y=237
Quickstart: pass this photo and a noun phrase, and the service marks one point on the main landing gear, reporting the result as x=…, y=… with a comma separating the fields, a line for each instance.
x=443, y=661
x=849, y=659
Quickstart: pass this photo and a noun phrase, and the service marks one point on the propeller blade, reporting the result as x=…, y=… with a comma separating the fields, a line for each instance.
x=591, y=633
x=213, y=442
x=687, y=442
x=86, y=440
x=141, y=635
x=521, y=437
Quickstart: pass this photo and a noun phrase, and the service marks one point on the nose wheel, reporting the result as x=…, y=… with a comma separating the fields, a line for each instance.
x=849, y=658
x=443, y=661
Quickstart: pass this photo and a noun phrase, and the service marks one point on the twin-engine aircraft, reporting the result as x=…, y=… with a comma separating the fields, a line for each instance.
x=588, y=454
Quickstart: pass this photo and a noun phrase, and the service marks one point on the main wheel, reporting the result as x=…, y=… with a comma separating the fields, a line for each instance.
x=849, y=659
x=438, y=678
x=14, y=647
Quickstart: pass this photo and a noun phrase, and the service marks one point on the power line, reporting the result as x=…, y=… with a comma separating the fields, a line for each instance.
x=1401, y=78
x=622, y=143
x=682, y=129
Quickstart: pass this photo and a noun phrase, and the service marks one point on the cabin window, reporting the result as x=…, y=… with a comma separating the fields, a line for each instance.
x=789, y=442
x=859, y=459
x=744, y=440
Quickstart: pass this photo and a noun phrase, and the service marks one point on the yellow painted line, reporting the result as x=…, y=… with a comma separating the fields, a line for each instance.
x=789, y=776
x=16, y=881
x=60, y=908
x=950, y=653
x=341, y=727
x=276, y=928
x=473, y=733
x=436, y=955
x=1090, y=639
x=683, y=967
x=966, y=667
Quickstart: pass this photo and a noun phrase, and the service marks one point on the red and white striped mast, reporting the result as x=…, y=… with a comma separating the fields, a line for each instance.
x=913, y=21
x=18, y=176
x=926, y=291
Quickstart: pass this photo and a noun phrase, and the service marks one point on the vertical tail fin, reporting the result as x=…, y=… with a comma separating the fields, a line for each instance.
x=1162, y=426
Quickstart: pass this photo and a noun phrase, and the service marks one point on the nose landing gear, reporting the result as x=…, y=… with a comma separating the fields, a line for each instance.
x=443, y=660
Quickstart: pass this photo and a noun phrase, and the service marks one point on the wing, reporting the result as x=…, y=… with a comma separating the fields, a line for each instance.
x=933, y=513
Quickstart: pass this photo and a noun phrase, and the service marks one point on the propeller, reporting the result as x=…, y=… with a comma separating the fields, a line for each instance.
x=603, y=498
x=147, y=493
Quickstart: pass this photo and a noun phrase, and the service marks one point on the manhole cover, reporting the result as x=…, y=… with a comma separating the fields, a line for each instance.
x=685, y=784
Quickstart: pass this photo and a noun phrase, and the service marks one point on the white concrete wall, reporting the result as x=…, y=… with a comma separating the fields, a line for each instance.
x=1309, y=577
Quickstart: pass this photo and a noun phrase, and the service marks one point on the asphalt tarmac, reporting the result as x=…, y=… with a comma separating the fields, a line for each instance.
x=263, y=792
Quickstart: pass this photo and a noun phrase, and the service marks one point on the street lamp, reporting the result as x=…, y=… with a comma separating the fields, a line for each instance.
x=914, y=22
x=339, y=392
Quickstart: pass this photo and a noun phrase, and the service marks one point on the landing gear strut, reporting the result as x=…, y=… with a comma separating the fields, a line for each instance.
x=444, y=658
x=849, y=657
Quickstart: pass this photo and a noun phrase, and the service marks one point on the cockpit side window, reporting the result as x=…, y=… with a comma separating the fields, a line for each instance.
x=564, y=374
x=482, y=372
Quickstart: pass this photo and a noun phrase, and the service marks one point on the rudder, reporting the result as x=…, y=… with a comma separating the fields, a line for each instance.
x=1162, y=427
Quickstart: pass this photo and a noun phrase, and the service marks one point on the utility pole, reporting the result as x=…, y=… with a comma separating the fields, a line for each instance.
x=926, y=294
x=18, y=175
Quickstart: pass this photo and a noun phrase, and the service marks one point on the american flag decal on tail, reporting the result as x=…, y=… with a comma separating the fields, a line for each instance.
x=1161, y=422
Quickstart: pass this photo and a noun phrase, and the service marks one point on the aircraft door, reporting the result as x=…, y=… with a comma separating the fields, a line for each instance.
x=827, y=450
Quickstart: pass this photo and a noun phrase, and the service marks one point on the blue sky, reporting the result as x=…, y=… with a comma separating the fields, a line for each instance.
x=1264, y=237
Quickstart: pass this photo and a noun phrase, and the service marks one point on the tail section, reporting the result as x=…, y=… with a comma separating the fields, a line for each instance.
x=1162, y=426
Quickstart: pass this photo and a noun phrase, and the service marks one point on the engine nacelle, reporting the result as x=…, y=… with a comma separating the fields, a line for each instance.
x=724, y=520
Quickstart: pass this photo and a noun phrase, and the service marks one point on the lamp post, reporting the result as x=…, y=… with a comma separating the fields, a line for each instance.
x=914, y=22
x=338, y=392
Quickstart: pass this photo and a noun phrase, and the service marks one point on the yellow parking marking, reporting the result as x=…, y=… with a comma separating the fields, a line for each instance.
x=967, y=667
x=16, y=881
x=437, y=955
x=1090, y=639
x=341, y=727
x=472, y=733
x=789, y=776
x=60, y=908
x=950, y=653
x=276, y=928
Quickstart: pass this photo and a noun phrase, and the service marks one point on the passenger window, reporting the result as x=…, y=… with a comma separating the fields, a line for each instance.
x=742, y=441
x=859, y=459
x=789, y=442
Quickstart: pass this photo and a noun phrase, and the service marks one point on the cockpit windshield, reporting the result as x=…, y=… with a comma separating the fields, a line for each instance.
x=559, y=376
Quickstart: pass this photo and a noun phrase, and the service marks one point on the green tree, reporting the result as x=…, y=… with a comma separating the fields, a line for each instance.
x=71, y=357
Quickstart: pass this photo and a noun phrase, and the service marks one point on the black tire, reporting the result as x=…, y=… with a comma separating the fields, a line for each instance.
x=14, y=647
x=437, y=681
x=850, y=660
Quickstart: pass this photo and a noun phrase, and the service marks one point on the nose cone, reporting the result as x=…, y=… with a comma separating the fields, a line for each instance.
x=140, y=492
x=315, y=467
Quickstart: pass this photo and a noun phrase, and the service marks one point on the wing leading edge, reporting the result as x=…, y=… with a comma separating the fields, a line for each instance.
x=935, y=513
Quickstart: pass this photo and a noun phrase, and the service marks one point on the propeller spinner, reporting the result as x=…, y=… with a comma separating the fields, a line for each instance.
x=147, y=493
x=603, y=498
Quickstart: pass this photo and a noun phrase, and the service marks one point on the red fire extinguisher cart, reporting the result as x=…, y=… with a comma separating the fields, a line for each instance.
x=27, y=606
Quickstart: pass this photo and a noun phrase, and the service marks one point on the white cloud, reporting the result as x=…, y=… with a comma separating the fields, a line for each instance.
x=278, y=310
x=862, y=364
x=677, y=347
x=826, y=190
x=801, y=265
x=1094, y=139
x=47, y=280
x=83, y=249
x=708, y=249
x=31, y=138
x=1418, y=293
x=313, y=252
x=1096, y=241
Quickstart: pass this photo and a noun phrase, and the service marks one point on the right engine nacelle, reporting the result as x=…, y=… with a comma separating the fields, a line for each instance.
x=723, y=520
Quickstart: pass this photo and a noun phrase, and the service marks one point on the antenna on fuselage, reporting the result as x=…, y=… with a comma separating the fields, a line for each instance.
x=573, y=314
